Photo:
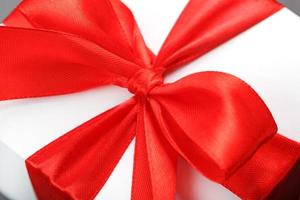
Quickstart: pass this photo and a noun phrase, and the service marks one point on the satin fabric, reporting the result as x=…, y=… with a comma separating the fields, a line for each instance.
x=213, y=120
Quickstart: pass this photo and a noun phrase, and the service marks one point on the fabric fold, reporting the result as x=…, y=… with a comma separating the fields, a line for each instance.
x=155, y=160
x=265, y=170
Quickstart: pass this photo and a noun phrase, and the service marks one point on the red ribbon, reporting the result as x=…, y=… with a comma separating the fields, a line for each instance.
x=213, y=120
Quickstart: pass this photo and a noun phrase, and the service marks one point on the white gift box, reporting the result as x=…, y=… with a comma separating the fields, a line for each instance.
x=265, y=56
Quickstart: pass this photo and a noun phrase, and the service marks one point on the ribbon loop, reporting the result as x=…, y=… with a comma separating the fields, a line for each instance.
x=214, y=120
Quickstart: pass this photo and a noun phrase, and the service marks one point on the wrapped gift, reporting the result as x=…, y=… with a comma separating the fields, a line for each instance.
x=201, y=133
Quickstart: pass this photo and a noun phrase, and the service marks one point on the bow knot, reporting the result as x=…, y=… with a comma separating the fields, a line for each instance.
x=143, y=81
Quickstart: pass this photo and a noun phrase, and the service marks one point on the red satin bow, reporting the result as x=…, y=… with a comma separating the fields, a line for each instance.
x=213, y=120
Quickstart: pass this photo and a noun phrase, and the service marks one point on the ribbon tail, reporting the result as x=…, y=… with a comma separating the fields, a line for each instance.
x=154, y=175
x=77, y=165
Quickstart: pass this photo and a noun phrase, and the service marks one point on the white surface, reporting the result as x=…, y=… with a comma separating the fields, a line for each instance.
x=266, y=56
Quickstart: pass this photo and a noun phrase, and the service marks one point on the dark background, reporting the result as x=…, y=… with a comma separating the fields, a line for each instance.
x=7, y=5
